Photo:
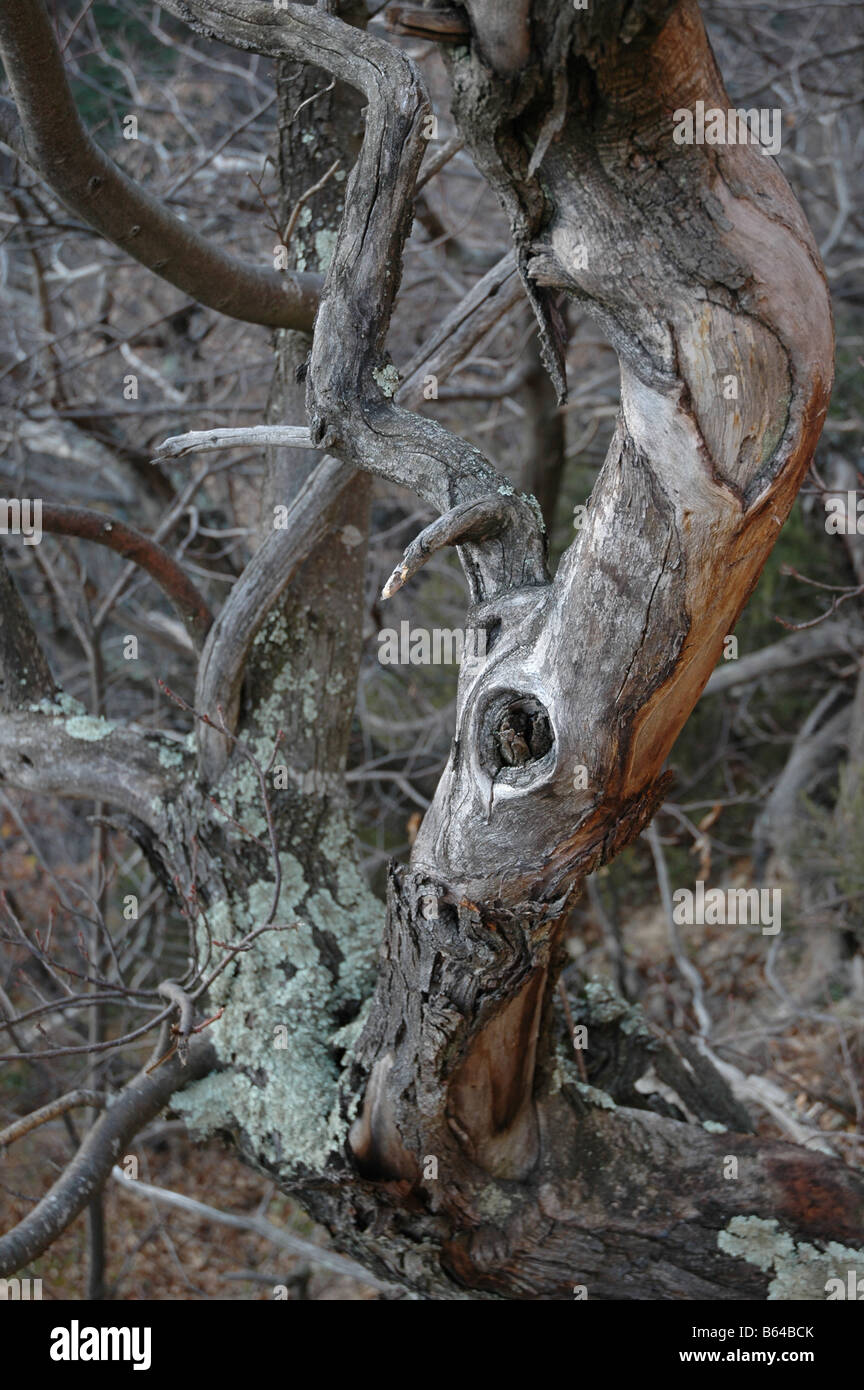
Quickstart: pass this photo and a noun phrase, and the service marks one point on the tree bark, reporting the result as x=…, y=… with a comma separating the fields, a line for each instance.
x=440, y=1127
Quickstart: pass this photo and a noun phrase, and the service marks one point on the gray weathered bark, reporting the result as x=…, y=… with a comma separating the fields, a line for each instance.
x=439, y=1126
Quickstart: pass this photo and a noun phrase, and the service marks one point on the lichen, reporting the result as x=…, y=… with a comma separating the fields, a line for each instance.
x=494, y=1204
x=325, y=244
x=536, y=508
x=280, y=1096
x=77, y=722
x=285, y=1098
x=593, y=1096
x=387, y=378
x=60, y=705
x=89, y=728
x=801, y=1271
x=714, y=1127
x=293, y=1002
x=170, y=756
x=351, y=537
x=605, y=1006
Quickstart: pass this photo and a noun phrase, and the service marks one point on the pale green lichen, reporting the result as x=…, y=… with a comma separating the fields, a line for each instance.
x=78, y=723
x=593, y=1096
x=60, y=705
x=536, y=508
x=605, y=1006
x=303, y=981
x=171, y=756
x=240, y=790
x=801, y=1271
x=325, y=244
x=387, y=378
x=280, y=1096
x=345, y=1037
x=714, y=1127
x=351, y=537
x=286, y=1098
x=89, y=728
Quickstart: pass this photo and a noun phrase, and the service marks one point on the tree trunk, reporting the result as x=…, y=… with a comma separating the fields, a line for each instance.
x=477, y=1161
x=440, y=1126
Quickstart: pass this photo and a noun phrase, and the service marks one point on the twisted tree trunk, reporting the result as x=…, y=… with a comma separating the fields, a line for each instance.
x=439, y=1126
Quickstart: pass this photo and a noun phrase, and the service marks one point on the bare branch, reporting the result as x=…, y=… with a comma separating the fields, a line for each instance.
x=134, y=545
x=58, y=753
x=96, y=1100
x=350, y=383
x=485, y=304
x=830, y=639
x=271, y=569
x=470, y=521
x=435, y=163
x=50, y=136
x=204, y=441
x=283, y=1240
x=134, y=1107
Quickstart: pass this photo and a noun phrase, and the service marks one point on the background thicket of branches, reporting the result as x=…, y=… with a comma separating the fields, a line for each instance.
x=767, y=788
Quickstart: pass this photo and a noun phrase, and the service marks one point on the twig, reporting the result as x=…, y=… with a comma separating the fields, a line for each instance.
x=571, y=1028
x=97, y=1100
x=686, y=968
x=304, y=198
x=328, y=1259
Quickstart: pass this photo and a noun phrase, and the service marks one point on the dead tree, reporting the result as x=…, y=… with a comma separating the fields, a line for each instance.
x=420, y=1104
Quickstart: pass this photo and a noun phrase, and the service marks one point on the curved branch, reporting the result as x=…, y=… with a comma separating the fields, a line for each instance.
x=271, y=569
x=134, y=1107
x=834, y=638
x=97, y=1100
x=350, y=383
x=134, y=545
x=469, y=521
x=49, y=750
x=50, y=136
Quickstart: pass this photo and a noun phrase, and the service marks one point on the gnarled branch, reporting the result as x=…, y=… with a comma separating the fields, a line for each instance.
x=50, y=136
x=57, y=752
x=350, y=383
